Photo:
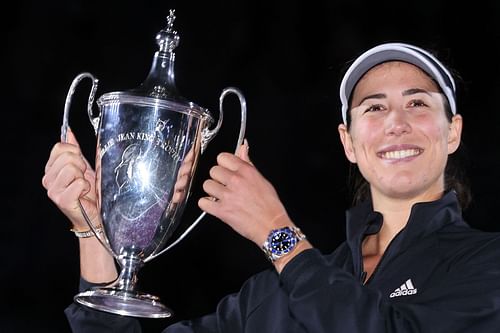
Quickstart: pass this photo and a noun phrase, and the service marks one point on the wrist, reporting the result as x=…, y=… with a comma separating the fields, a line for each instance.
x=279, y=221
x=97, y=265
x=280, y=263
x=87, y=233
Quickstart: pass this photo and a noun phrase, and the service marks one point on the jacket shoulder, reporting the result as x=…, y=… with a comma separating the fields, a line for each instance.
x=470, y=246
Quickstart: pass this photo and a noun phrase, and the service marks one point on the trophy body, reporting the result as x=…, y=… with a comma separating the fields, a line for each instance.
x=141, y=151
x=149, y=140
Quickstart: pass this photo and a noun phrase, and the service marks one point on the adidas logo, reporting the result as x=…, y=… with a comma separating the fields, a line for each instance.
x=406, y=289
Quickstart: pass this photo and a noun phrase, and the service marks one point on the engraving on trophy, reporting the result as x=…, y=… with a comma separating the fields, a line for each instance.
x=143, y=165
x=104, y=149
x=157, y=137
x=159, y=92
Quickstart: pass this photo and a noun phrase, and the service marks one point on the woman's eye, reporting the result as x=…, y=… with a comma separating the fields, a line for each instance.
x=416, y=103
x=375, y=107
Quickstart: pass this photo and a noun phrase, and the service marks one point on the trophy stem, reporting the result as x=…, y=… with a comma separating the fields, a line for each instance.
x=130, y=266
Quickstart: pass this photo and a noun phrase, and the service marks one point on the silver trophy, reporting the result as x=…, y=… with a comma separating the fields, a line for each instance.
x=149, y=140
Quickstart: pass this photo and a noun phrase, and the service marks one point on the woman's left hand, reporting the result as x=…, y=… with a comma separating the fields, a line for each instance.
x=242, y=198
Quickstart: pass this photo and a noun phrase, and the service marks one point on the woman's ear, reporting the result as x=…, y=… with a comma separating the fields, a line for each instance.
x=455, y=133
x=346, y=140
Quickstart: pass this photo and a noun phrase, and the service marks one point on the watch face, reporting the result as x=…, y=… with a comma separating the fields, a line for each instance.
x=282, y=241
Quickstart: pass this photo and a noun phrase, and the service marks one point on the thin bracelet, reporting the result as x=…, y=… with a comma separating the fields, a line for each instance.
x=87, y=233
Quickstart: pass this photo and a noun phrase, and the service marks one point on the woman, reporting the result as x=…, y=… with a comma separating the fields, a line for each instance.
x=409, y=264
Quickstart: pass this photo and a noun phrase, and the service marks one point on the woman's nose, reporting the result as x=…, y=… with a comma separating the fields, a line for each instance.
x=397, y=123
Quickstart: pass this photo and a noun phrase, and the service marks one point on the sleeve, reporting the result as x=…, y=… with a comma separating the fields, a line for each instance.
x=325, y=298
x=85, y=320
x=229, y=317
x=226, y=319
x=234, y=311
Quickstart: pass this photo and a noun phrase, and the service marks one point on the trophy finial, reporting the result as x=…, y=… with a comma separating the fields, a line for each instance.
x=170, y=20
x=167, y=38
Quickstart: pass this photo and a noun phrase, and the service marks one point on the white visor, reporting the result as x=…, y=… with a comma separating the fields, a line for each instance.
x=397, y=52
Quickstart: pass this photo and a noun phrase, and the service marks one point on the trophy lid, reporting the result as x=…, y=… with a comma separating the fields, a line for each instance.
x=159, y=88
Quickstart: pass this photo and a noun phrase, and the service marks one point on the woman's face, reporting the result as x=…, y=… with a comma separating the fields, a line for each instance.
x=400, y=136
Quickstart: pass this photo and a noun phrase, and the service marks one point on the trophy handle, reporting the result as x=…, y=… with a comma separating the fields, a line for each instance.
x=94, y=120
x=206, y=138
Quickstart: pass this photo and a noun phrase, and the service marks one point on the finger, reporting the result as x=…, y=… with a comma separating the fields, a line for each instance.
x=243, y=152
x=67, y=176
x=230, y=161
x=185, y=168
x=70, y=161
x=178, y=196
x=59, y=149
x=181, y=183
x=189, y=156
x=221, y=174
x=77, y=189
x=71, y=138
x=71, y=143
x=208, y=204
x=66, y=191
x=68, y=202
x=214, y=189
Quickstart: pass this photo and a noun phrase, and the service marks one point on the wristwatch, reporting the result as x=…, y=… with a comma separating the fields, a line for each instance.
x=281, y=241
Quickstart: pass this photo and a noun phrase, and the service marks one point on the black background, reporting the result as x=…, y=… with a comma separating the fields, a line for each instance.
x=286, y=56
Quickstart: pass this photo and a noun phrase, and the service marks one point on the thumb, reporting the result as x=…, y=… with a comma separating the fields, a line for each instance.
x=71, y=138
x=243, y=152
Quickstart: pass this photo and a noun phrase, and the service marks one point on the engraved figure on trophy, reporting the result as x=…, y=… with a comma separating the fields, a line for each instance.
x=137, y=218
x=149, y=140
x=137, y=165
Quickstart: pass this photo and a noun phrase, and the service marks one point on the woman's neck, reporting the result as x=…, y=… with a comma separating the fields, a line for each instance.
x=396, y=212
x=396, y=215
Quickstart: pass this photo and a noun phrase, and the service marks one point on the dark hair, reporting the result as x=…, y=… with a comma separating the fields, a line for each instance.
x=455, y=178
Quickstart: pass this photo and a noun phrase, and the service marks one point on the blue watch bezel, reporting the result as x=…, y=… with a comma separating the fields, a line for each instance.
x=274, y=242
x=282, y=241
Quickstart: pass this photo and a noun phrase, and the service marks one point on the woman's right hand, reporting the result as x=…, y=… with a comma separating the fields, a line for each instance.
x=69, y=178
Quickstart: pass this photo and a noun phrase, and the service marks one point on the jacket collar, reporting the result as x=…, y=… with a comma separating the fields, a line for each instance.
x=425, y=218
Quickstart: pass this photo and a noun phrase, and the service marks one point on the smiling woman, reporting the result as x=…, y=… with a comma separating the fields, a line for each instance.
x=399, y=136
x=399, y=129
x=433, y=94
x=410, y=263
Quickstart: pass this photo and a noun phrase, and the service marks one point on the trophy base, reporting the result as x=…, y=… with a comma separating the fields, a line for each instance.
x=125, y=303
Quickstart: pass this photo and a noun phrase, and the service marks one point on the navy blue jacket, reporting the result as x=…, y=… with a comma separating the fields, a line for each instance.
x=437, y=275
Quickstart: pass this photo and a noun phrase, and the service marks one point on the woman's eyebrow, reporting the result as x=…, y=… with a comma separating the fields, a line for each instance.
x=413, y=91
x=407, y=92
x=376, y=96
